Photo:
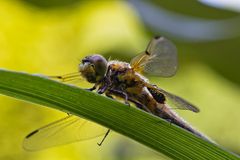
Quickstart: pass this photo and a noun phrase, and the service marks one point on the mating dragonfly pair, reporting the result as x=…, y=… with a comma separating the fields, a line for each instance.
x=123, y=80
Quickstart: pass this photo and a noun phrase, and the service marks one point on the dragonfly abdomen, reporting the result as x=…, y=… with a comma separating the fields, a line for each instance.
x=166, y=113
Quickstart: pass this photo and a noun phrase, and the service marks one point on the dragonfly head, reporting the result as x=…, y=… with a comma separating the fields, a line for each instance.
x=93, y=68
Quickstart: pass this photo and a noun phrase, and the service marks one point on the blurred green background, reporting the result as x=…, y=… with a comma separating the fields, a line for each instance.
x=51, y=36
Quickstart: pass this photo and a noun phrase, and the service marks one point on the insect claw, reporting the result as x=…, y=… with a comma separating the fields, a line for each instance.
x=91, y=89
x=169, y=120
x=127, y=103
x=100, y=91
x=109, y=96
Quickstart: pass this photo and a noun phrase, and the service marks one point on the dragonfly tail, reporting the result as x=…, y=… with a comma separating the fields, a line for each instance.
x=168, y=114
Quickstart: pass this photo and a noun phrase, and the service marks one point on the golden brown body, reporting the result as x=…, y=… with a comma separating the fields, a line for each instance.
x=126, y=80
x=123, y=82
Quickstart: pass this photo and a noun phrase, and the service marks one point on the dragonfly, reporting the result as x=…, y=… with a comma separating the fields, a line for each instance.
x=127, y=81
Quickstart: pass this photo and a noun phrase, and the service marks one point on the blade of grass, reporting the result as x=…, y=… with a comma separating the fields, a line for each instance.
x=131, y=122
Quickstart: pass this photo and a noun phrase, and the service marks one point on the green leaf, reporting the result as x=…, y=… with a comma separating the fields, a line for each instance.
x=129, y=121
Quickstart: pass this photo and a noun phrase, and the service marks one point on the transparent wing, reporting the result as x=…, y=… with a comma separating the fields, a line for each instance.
x=174, y=101
x=179, y=102
x=63, y=131
x=159, y=59
x=71, y=77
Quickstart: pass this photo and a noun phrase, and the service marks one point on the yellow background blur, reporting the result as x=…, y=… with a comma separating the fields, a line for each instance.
x=52, y=40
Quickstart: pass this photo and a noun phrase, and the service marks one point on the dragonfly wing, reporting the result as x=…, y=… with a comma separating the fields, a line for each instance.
x=179, y=102
x=163, y=60
x=173, y=100
x=63, y=131
x=159, y=59
x=139, y=61
x=71, y=77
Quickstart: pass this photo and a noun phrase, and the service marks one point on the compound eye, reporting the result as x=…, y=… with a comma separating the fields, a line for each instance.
x=85, y=60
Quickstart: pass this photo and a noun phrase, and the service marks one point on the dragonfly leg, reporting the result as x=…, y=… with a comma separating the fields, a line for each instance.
x=109, y=95
x=121, y=94
x=104, y=84
x=102, y=89
x=93, y=88
x=140, y=105
x=125, y=96
x=105, y=136
x=137, y=104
